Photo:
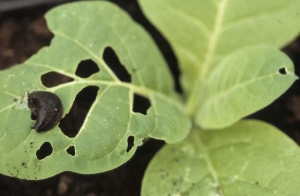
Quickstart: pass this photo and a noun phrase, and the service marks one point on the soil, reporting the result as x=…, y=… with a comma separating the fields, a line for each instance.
x=24, y=32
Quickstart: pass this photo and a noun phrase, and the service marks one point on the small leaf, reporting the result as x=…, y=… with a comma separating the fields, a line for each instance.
x=83, y=31
x=250, y=158
x=243, y=83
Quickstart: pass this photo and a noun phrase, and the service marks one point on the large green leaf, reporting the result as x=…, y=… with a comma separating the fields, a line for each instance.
x=244, y=82
x=204, y=32
x=82, y=31
x=250, y=158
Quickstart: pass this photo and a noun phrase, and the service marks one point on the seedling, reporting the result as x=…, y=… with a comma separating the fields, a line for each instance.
x=231, y=67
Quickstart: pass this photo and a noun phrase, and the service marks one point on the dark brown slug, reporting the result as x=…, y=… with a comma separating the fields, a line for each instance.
x=46, y=107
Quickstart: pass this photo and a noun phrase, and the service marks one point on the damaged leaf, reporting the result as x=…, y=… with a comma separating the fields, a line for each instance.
x=82, y=32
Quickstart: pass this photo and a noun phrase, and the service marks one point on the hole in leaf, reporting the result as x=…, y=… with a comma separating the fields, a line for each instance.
x=130, y=143
x=87, y=68
x=71, y=150
x=44, y=151
x=52, y=79
x=115, y=65
x=282, y=71
x=141, y=104
x=160, y=40
x=72, y=122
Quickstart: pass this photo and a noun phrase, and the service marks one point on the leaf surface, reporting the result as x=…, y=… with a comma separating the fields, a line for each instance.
x=249, y=158
x=202, y=32
x=83, y=31
x=244, y=82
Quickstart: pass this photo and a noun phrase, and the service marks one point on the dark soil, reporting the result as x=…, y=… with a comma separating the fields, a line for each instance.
x=24, y=32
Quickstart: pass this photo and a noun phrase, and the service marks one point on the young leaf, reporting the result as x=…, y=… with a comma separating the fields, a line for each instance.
x=249, y=158
x=202, y=32
x=244, y=82
x=83, y=31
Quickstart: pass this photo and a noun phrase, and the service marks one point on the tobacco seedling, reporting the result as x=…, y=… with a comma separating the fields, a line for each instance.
x=231, y=67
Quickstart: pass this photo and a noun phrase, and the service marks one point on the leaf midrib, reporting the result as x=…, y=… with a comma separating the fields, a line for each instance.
x=192, y=102
x=206, y=157
x=225, y=92
x=203, y=72
x=142, y=90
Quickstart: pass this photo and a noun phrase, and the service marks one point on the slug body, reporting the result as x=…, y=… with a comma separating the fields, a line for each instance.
x=47, y=108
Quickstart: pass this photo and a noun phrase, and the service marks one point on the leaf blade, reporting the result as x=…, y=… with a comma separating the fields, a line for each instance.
x=216, y=29
x=244, y=82
x=249, y=157
x=82, y=31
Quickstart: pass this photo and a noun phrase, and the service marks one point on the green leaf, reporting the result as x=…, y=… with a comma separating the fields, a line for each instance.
x=250, y=158
x=244, y=82
x=203, y=32
x=82, y=31
x=208, y=34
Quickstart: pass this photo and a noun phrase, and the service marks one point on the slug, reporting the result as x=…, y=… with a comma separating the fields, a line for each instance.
x=47, y=108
